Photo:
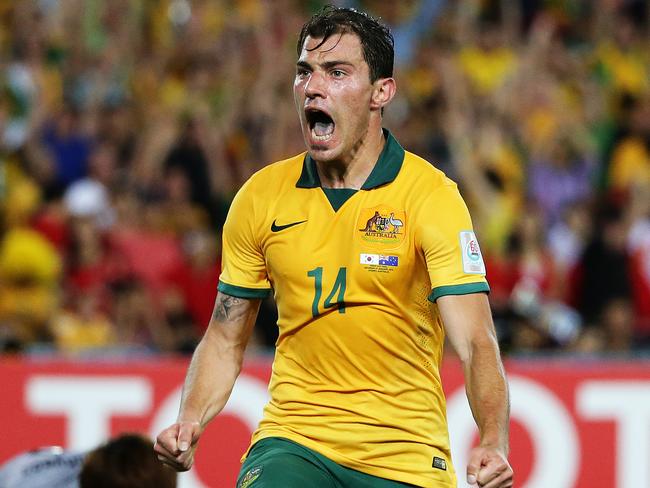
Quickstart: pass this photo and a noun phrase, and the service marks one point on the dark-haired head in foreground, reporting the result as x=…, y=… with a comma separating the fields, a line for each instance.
x=128, y=461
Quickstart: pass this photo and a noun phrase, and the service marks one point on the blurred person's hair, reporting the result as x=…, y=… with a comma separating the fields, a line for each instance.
x=128, y=461
x=635, y=12
x=376, y=39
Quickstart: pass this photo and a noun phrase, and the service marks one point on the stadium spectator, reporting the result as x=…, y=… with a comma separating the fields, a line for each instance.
x=30, y=269
x=168, y=107
x=605, y=267
x=561, y=178
x=83, y=327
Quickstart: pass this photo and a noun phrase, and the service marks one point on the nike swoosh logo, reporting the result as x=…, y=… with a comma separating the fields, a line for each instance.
x=278, y=228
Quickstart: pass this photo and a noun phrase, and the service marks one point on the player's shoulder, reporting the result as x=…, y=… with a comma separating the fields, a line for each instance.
x=280, y=173
x=49, y=466
x=267, y=185
x=422, y=173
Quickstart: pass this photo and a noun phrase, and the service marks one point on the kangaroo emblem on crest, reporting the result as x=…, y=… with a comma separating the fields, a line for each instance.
x=372, y=221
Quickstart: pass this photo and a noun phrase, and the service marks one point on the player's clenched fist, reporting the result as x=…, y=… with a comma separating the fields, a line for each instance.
x=176, y=444
x=488, y=468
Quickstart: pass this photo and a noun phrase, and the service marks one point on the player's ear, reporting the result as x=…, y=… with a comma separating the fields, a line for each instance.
x=383, y=92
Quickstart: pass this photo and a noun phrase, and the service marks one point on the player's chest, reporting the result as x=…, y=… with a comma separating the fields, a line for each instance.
x=369, y=235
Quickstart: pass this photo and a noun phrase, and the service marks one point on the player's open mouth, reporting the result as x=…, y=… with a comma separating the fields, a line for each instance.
x=320, y=123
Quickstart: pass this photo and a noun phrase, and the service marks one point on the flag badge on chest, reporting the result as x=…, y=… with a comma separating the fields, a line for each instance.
x=378, y=260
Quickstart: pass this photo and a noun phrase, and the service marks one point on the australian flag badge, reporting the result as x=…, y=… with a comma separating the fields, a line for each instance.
x=388, y=260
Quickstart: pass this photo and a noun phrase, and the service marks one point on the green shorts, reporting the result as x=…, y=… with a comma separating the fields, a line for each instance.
x=275, y=462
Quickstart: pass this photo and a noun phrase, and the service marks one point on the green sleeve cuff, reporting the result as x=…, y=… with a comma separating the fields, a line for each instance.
x=465, y=289
x=241, y=292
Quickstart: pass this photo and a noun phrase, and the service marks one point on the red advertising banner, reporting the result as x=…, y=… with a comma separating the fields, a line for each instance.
x=574, y=424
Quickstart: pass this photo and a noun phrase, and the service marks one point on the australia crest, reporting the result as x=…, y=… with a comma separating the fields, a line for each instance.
x=382, y=225
x=250, y=476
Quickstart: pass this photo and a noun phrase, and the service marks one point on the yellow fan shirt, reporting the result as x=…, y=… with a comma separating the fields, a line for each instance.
x=356, y=369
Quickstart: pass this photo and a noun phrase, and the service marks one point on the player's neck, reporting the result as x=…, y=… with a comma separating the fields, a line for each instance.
x=354, y=169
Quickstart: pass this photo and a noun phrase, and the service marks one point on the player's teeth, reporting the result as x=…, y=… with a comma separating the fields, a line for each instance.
x=321, y=137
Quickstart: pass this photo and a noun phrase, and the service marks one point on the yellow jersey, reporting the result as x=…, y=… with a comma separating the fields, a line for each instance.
x=354, y=274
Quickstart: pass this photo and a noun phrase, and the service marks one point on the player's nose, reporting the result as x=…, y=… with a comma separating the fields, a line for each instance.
x=315, y=85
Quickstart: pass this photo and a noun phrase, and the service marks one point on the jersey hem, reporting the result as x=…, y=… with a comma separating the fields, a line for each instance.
x=464, y=289
x=243, y=292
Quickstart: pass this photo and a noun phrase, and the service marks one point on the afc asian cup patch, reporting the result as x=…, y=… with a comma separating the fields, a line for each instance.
x=250, y=476
x=472, y=257
x=382, y=225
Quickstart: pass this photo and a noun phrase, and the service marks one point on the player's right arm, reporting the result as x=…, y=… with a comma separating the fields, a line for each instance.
x=215, y=365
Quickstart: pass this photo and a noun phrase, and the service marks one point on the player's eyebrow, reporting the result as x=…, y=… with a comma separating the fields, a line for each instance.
x=304, y=65
x=325, y=65
x=333, y=64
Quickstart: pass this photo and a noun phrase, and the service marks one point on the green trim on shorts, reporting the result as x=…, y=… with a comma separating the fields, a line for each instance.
x=275, y=462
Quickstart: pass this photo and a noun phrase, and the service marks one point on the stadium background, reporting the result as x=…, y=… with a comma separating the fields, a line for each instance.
x=126, y=127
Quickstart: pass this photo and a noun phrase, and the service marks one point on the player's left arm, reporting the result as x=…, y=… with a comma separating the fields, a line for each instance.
x=468, y=324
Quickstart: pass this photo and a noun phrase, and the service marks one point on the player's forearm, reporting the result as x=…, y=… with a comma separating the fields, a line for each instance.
x=468, y=323
x=210, y=380
x=487, y=392
x=217, y=361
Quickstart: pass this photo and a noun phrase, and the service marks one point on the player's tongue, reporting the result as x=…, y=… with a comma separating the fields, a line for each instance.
x=322, y=129
x=320, y=124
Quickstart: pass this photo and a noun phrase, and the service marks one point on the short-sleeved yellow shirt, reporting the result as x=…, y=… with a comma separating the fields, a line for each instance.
x=355, y=375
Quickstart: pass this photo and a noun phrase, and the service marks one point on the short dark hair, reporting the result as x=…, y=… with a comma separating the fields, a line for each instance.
x=376, y=39
x=128, y=461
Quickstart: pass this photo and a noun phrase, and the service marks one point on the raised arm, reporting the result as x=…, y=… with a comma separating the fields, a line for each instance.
x=215, y=365
x=468, y=324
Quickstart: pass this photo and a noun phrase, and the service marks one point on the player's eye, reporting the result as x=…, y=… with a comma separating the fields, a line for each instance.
x=302, y=73
x=337, y=73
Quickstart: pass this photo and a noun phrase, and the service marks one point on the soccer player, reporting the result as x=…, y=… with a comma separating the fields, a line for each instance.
x=370, y=254
x=43, y=468
x=125, y=462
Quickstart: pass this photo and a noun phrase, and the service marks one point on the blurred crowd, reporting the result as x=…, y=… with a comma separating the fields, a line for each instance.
x=126, y=127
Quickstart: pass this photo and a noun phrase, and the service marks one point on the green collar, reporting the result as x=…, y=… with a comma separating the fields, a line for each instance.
x=385, y=170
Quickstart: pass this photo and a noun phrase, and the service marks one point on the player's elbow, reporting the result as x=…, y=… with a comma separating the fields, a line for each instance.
x=464, y=352
x=478, y=345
